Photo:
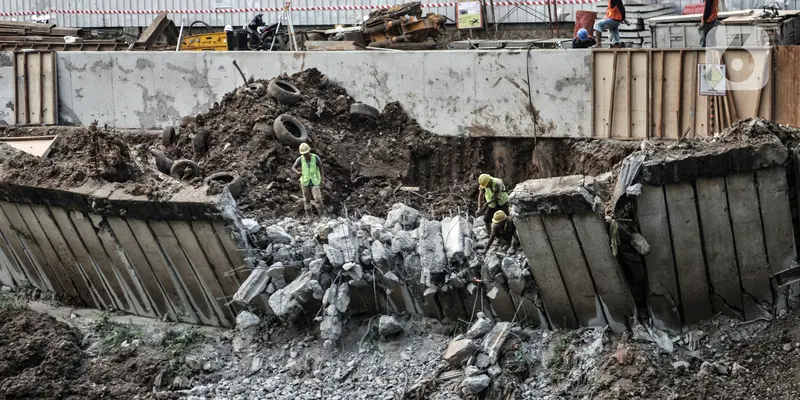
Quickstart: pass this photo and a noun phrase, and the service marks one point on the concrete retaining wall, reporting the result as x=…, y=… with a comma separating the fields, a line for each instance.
x=102, y=247
x=450, y=93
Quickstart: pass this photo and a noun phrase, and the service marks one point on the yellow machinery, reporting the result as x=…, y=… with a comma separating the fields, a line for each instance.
x=210, y=41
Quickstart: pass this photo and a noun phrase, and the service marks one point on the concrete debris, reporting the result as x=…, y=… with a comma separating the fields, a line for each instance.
x=277, y=234
x=494, y=371
x=495, y=339
x=331, y=326
x=246, y=320
x=459, y=351
x=342, y=297
x=475, y=384
x=401, y=216
x=388, y=326
x=472, y=371
x=515, y=274
x=680, y=365
x=482, y=361
x=457, y=239
x=255, y=284
x=251, y=225
x=342, y=244
x=255, y=364
x=639, y=243
x=404, y=242
x=379, y=255
x=634, y=190
x=479, y=329
x=431, y=251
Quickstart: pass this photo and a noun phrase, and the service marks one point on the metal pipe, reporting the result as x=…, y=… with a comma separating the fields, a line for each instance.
x=180, y=36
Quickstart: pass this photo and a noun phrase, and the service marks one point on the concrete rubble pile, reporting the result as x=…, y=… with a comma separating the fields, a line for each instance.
x=402, y=264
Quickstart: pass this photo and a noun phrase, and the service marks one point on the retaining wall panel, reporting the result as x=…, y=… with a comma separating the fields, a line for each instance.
x=14, y=264
x=6, y=277
x=501, y=302
x=526, y=312
x=452, y=304
x=15, y=230
x=216, y=256
x=61, y=278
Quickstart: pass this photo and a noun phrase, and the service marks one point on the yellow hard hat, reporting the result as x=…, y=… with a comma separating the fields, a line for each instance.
x=499, y=217
x=305, y=148
x=483, y=180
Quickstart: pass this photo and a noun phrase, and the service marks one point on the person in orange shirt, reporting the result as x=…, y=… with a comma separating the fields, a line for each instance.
x=709, y=21
x=615, y=14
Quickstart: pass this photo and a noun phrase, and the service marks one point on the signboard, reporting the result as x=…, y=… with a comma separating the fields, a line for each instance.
x=470, y=14
x=217, y=4
x=712, y=79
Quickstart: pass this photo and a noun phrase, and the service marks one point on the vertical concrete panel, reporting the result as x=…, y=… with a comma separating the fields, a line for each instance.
x=64, y=82
x=688, y=251
x=184, y=271
x=119, y=261
x=723, y=271
x=92, y=87
x=545, y=272
x=213, y=250
x=750, y=248
x=662, y=297
x=610, y=283
x=452, y=304
x=475, y=301
x=164, y=272
x=212, y=284
x=575, y=272
x=26, y=245
x=776, y=214
x=135, y=96
x=174, y=78
x=87, y=235
x=34, y=236
x=14, y=263
x=6, y=277
x=564, y=88
x=83, y=287
x=500, y=300
x=161, y=301
x=500, y=89
x=90, y=269
x=235, y=255
x=527, y=314
x=7, y=85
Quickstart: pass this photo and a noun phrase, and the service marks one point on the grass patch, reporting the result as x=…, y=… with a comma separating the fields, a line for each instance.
x=12, y=301
x=559, y=351
x=111, y=333
x=179, y=341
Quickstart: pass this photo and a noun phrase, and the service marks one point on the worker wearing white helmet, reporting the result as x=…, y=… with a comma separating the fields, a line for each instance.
x=494, y=191
x=311, y=177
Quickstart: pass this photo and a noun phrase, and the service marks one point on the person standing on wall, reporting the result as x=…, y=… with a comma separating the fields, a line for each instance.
x=615, y=15
x=710, y=20
x=494, y=191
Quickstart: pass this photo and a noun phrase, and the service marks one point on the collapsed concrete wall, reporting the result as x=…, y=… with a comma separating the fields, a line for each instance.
x=102, y=247
x=476, y=93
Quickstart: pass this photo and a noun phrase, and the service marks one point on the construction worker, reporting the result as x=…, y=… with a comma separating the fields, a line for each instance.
x=494, y=191
x=502, y=228
x=583, y=41
x=615, y=14
x=311, y=176
x=709, y=21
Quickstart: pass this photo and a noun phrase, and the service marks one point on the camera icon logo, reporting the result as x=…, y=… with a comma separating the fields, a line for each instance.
x=745, y=52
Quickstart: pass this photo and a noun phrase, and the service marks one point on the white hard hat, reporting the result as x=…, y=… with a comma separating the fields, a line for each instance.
x=228, y=28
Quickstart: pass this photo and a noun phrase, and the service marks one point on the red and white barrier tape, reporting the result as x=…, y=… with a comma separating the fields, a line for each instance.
x=277, y=9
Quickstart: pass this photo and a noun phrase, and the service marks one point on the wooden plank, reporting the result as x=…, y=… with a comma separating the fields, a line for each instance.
x=682, y=77
x=693, y=115
x=663, y=296
x=545, y=272
x=85, y=291
x=658, y=96
x=672, y=76
x=610, y=283
x=21, y=89
x=18, y=232
x=183, y=268
x=629, y=94
x=612, y=98
x=34, y=93
x=688, y=250
x=639, y=95
x=162, y=303
x=723, y=269
x=603, y=81
x=57, y=274
x=649, y=82
x=750, y=247
x=124, y=270
x=49, y=89
x=167, y=277
x=575, y=272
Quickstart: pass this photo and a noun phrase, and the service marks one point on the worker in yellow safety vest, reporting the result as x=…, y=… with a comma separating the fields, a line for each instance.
x=311, y=177
x=494, y=191
x=504, y=230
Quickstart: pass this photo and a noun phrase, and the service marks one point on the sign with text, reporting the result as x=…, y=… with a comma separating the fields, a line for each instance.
x=470, y=15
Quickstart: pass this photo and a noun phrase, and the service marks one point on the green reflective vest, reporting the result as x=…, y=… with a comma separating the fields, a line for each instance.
x=310, y=176
x=489, y=194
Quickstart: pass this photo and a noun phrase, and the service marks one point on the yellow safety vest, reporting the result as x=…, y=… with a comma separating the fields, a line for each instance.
x=310, y=172
x=489, y=194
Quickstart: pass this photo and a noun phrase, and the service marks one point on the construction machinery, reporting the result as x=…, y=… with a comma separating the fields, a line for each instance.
x=403, y=23
x=208, y=41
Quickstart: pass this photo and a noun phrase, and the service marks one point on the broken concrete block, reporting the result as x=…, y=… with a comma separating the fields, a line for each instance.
x=278, y=281
x=404, y=242
x=459, y=351
x=284, y=305
x=560, y=195
x=369, y=222
x=380, y=256
x=275, y=270
x=316, y=289
x=331, y=326
x=329, y=297
x=455, y=231
x=479, y=329
x=495, y=371
x=388, y=326
x=403, y=217
x=246, y=320
x=515, y=274
x=475, y=384
x=342, y=244
x=335, y=256
x=254, y=285
x=251, y=225
x=277, y=234
x=342, y=297
x=316, y=266
x=494, y=340
x=639, y=243
x=491, y=267
x=366, y=256
x=482, y=361
x=472, y=371
x=431, y=249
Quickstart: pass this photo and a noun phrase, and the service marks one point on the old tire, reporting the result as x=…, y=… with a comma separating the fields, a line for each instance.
x=363, y=110
x=178, y=169
x=323, y=82
x=289, y=130
x=283, y=91
x=163, y=163
x=167, y=136
x=229, y=180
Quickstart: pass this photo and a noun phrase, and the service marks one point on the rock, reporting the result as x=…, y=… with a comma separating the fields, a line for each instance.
x=329, y=297
x=284, y=305
x=479, y=329
x=357, y=272
x=251, y=225
x=788, y=347
x=342, y=297
x=494, y=340
x=316, y=266
x=370, y=222
x=639, y=243
x=459, y=351
x=331, y=326
x=275, y=270
x=494, y=371
x=388, y=326
x=491, y=266
x=255, y=284
x=515, y=274
x=455, y=232
x=431, y=251
x=379, y=255
x=340, y=105
x=402, y=216
x=246, y=320
x=366, y=256
x=277, y=234
x=475, y=384
x=342, y=244
x=195, y=363
x=706, y=368
x=255, y=364
x=472, y=371
x=482, y=361
x=403, y=243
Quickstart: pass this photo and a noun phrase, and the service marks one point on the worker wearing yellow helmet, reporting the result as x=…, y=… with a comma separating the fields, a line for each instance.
x=311, y=176
x=494, y=192
x=503, y=229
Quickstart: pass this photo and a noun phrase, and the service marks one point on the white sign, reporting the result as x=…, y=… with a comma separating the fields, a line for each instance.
x=217, y=4
x=711, y=79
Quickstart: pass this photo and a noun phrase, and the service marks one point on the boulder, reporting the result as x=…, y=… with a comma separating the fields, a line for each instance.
x=515, y=274
x=455, y=232
x=431, y=250
x=246, y=320
x=388, y=326
x=404, y=242
x=459, y=351
x=475, y=384
x=403, y=217
x=277, y=234
x=479, y=329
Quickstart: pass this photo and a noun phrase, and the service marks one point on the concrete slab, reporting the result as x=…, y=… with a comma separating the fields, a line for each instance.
x=213, y=250
x=399, y=296
x=572, y=264
x=183, y=271
x=551, y=196
x=236, y=250
x=776, y=216
x=751, y=252
x=608, y=278
x=6, y=277
x=61, y=278
x=500, y=300
x=663, y=297
x=161, y=302
x=17, y=231
x=475, y=301
x=452, y=304
x=119, y=261
x=687, y=247
x=527, y=313
x=723, y=269
x=14, y=264
x=212, y=285
x=85, y=290
x=545, y=272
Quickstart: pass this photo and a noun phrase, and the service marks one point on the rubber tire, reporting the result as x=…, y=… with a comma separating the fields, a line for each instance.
x=364, y=110
x=323, y=82
x=284, y=136
x=163, y=163
x=282, y=95
x=235, y=186
x=167, y=136
x=179, y=167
